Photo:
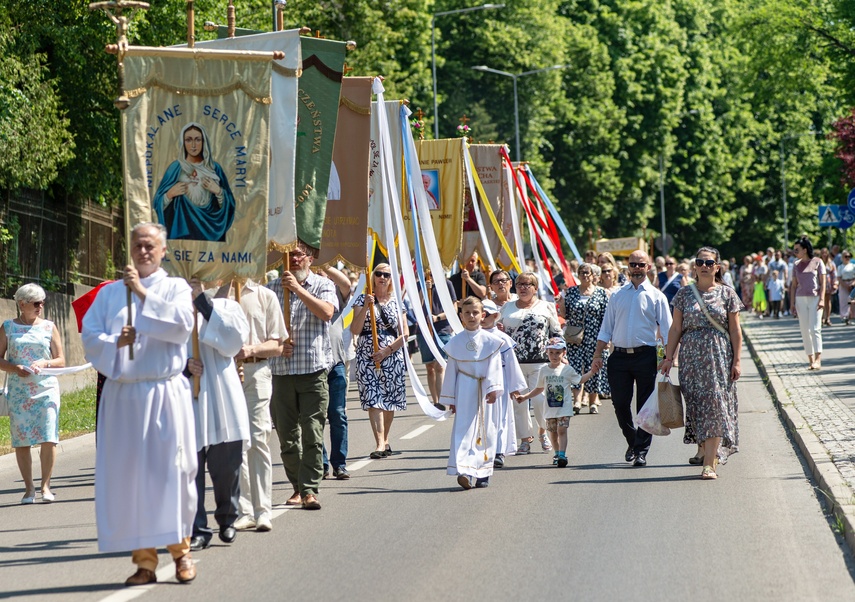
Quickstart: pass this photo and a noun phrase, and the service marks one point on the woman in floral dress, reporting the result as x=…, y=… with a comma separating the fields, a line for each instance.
x=382, y=391
x=27, y=345
x=709, y=361
x=585, y=305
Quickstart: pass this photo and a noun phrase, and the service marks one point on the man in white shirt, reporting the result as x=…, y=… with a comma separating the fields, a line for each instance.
x=635, y=317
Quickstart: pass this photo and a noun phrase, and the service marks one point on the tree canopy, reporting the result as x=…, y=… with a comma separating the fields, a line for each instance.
x=724, y=97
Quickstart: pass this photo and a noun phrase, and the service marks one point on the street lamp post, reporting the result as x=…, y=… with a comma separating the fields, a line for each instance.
x=784, y=182
x=433, y=51
x=515, y=77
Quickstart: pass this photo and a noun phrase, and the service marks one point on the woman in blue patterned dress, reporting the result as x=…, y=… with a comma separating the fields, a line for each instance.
x=585, y=305
x=382, y=391
x=710, y=341
x=27, y=345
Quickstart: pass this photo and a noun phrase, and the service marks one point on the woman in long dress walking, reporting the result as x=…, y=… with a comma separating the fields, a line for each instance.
x=706, y=325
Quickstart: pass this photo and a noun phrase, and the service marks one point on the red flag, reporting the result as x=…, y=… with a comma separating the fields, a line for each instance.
x=82, y=304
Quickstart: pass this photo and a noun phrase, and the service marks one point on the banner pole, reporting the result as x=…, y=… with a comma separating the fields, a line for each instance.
x=286, y=299
x=372, y=315
x=197, y=382
x=236, y=283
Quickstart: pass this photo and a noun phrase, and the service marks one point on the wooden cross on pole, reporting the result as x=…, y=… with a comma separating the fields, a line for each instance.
x=464, y=120
x=420, y=114
x=345, y=70
x=114, y=10
x=318, y=35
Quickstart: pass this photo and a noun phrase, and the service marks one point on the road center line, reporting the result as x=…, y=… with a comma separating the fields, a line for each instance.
x=416, y=432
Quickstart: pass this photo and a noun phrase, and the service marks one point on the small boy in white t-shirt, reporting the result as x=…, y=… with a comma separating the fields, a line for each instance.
x=776, y=293
x=557, y=378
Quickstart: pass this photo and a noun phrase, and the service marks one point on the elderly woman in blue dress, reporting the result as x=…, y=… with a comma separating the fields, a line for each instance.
x=29, y=344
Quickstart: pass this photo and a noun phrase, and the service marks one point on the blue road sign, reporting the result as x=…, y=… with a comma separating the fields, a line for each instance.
x=829, y=215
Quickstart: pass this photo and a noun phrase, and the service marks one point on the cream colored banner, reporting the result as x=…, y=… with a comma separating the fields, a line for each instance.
x=377, y=199
x=196, y=154
x=488, y=166
x=441, y=163
x=281, y=227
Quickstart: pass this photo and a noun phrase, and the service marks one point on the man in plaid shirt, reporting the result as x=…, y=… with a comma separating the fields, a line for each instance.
x=300, y=394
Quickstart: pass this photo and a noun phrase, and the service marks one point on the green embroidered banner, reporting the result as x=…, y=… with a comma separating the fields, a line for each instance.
x=317, y=114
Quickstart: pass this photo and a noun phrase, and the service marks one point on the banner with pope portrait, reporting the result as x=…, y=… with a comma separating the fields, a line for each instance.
x=196, y=153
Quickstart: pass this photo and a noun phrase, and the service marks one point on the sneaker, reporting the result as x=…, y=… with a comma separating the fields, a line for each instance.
x=577, y=410
x=263, y=524
x=245, y=523
x=562, y=461
x=524, y=448
x=545, y=445
x=464, y=481
x=481, y=483
x=594, y=410
x=499, y=461
x=555, y=460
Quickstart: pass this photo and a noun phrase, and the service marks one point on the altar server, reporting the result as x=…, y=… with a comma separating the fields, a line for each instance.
x=470, y=388
x=222, y=421
x=513, y=382
x=145, y=461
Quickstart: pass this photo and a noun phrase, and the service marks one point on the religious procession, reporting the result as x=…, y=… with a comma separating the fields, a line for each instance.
x=290, y=231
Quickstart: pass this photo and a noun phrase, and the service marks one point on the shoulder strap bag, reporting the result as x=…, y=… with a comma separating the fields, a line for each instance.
x=706, y=311
x=573, y=335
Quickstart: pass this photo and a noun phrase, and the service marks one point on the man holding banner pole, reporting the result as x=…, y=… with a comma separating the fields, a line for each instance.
x=300, y=392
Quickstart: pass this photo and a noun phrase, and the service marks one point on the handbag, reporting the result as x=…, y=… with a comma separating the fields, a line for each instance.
x=573, y=335
x=670, y=403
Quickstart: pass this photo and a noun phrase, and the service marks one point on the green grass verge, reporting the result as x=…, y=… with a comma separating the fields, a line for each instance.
x=76, y=417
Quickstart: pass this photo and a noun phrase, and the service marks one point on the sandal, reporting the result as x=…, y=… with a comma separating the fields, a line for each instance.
x=708, y=473
x=376, y=455
x=696, y=460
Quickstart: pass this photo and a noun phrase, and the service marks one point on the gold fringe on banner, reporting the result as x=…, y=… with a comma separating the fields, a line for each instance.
x=286, y=71
x=156, y=83
x=346, y=102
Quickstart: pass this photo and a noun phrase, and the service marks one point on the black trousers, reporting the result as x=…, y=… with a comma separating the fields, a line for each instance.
x=223, y=462
x=626, y=370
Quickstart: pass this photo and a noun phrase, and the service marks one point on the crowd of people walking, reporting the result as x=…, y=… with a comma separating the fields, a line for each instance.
x=527, y=360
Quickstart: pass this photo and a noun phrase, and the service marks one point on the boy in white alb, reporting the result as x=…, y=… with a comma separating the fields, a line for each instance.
x=556, y=379
x=514, y=382
x=471, y=385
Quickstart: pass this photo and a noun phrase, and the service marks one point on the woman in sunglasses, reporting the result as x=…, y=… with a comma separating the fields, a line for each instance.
x=706, y=326
x=808, y=291
x=380, y=374
x=29, y=344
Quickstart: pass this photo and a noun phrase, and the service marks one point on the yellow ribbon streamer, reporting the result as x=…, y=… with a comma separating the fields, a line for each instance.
x=493, y=220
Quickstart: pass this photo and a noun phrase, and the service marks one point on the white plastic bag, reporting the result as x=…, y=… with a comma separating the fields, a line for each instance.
x=648, y=416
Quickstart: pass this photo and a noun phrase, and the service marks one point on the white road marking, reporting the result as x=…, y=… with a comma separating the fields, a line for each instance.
x=359, y=464
x=416, y=432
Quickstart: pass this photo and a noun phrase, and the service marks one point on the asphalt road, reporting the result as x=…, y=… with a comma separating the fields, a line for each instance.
x=401, y=529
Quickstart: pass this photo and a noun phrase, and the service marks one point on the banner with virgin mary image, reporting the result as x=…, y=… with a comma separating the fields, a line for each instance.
x=196, y=152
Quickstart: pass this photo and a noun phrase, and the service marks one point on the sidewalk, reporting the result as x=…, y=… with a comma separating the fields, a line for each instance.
x=818, y=407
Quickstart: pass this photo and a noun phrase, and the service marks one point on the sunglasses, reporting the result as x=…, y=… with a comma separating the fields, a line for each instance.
x=632, y=264
x=38, y=303
x=707, y=262
x=382, y=274
x=501, y=281
x=669, y=263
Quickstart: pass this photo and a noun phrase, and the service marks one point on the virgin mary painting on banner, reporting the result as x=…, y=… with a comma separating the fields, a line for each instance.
x=196, y=146
x=194, y=200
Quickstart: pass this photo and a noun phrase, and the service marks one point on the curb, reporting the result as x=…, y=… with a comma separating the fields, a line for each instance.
x=830, y=482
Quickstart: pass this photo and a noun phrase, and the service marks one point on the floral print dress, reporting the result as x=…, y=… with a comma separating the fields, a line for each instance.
x=589, y=314
x=33, y=400
x=706, y=358
x=384, y=389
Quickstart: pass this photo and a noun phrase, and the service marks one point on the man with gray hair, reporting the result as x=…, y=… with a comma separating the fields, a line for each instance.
x=145, y=461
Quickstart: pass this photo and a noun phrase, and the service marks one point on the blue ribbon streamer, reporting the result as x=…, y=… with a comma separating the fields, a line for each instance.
x=555, y=215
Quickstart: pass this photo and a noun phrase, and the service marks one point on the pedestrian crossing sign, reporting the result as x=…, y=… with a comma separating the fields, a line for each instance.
x=829, y=215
